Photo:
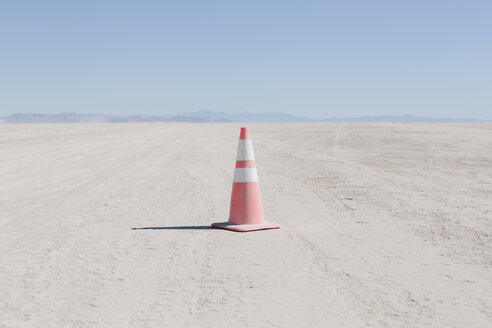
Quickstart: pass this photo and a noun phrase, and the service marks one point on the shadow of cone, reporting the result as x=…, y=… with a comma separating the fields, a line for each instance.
x=246, y=213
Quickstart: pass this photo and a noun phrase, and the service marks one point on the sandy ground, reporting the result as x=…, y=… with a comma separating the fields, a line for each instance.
x=384, y=225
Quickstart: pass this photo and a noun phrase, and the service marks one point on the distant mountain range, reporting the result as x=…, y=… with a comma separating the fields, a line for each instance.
x=212, y=116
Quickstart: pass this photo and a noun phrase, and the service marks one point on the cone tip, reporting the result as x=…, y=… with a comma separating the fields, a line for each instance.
x=245, y=133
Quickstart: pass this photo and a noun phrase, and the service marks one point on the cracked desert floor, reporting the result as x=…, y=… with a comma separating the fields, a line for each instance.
x=383, y=225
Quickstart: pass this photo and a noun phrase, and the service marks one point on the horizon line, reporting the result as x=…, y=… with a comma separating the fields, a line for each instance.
x=198, y=114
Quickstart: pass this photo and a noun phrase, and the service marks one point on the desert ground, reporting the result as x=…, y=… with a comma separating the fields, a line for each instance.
x=383, y=225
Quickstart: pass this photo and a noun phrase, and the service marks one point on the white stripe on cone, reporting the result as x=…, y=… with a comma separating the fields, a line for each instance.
x=245, y=150
x=245, y=174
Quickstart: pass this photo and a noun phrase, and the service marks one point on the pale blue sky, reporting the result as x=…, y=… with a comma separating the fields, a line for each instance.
x=311, y=58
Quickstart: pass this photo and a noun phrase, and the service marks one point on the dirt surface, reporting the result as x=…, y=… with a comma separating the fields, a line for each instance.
x=384, y=225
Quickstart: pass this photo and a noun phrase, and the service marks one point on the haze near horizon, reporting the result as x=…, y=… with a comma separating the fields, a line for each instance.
x=314, y=59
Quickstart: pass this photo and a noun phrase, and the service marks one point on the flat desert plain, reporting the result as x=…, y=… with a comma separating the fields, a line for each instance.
x=383, y=225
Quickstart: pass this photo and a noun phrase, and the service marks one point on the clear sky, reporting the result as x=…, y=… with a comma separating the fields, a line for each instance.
x=311, y=58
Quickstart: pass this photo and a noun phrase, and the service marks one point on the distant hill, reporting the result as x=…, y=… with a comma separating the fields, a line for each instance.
x=247, y=117
x=203, y=116
x=401, y=119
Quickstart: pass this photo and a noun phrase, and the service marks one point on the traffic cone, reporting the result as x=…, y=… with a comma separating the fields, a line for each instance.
x=246, y=213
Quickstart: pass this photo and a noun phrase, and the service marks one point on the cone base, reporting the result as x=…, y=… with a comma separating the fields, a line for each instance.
x=246, y=227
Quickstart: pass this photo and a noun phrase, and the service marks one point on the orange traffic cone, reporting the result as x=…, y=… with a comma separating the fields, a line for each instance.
x=246, y=212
